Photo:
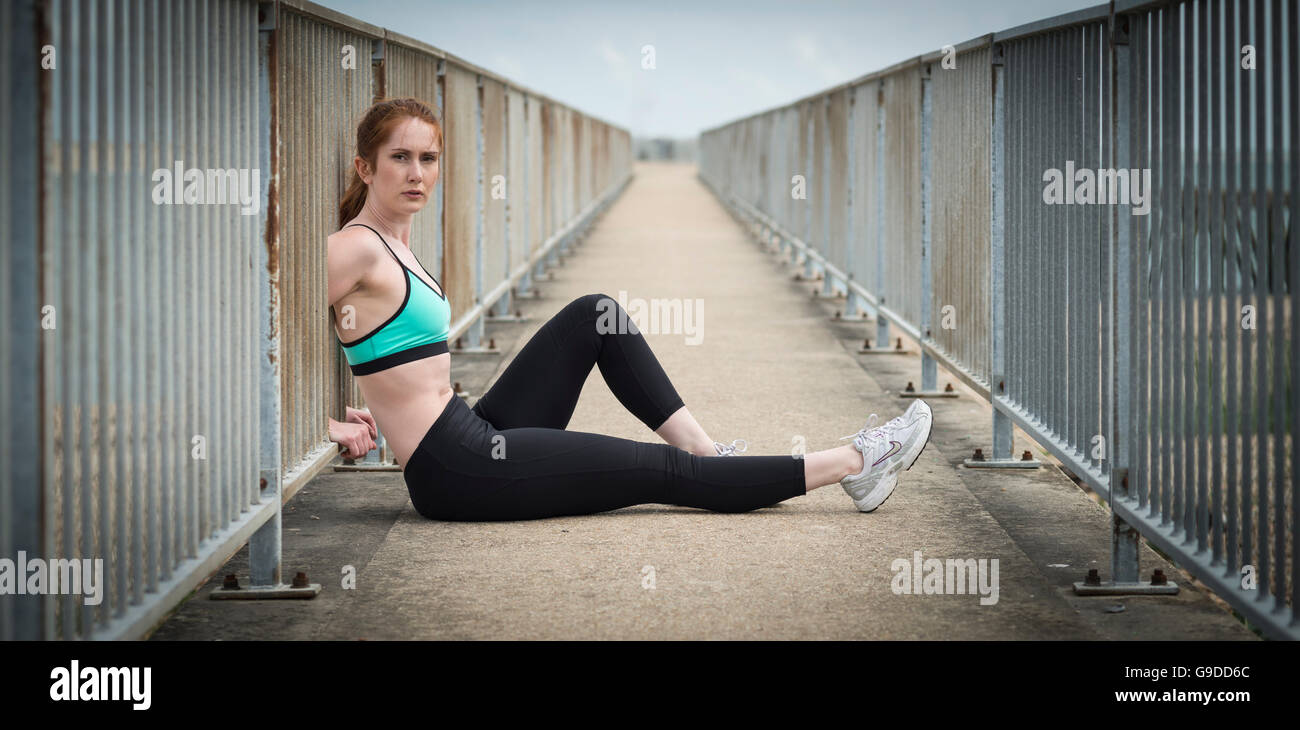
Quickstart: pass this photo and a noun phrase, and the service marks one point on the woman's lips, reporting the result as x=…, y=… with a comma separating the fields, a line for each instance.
x=413, y=195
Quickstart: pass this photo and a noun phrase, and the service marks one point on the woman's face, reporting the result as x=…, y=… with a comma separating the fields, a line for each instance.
x=406, y=168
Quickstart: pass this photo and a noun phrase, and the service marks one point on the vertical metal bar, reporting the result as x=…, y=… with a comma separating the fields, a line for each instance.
x=131, y=396
x=249, y=143
x=1100, y=320
x=1279, y=379
x=928, y=366
x=1058, y=241
x=1002, y=433
x=1125, y=540
x=1184, y=476
x=173, y=456
x=850, y=231
x=110, y=430
x=1069, y=376
x=823, y=242
x=1141, y=318
x=476, y=329
x=1024, y=65
x=1215, y=149
x=264, y=546
x=88, y=298
x=1260, y=110
x=226, y=331
x=1104, y=400
x=1232, y=278
x=23, y=511
x=1248, y=101
x=882, y=324
x=1203, y=378
x=144, y=538
x=1293, y=246
x=438, y=216
x=1168, y=478
x=65, y=223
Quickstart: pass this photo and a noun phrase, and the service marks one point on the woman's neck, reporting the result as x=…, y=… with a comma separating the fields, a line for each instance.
x=390, y=225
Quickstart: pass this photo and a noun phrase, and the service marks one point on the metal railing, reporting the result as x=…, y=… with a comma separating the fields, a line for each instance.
x=171, y=365
x=1147, y=340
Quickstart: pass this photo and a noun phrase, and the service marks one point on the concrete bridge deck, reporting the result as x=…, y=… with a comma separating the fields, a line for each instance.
x=771, y=366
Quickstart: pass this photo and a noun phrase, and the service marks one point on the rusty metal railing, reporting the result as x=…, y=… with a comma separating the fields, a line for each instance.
x=171, y=172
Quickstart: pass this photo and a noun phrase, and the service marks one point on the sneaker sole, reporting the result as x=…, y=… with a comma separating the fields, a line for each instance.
x=922, y=451
x=892, y=480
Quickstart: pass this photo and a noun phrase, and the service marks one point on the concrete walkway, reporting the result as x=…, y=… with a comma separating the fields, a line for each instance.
x=771, y=368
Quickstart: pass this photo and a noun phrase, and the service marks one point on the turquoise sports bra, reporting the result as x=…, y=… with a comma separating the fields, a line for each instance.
x=418, y=330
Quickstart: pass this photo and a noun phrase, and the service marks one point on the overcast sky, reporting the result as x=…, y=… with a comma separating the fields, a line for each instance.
x=715, y=60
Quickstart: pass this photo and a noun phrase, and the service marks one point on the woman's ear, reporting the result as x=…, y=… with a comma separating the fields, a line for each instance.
x=363, y=169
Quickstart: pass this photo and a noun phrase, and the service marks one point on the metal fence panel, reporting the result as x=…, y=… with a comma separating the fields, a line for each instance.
x=960, y=217
x=1214, y=276
x=900, y=250
x=460, y=175
x=145, y=383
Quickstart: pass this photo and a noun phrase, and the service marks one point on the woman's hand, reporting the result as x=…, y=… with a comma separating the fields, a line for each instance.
x=362, y=415
x=355, y=438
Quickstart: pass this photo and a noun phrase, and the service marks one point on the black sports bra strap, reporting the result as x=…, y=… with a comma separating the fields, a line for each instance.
x=381, y=238
x=405, y=269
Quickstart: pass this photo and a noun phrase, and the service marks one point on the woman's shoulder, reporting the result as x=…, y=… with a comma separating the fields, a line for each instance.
x=350, y=255
x=352, y=233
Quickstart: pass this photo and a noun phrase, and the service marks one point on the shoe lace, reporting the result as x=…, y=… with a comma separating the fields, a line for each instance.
x=871, y=432
x=732, y=448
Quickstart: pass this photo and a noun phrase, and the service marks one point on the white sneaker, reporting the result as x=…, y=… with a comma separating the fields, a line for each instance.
x=732, y=449
x=887, y=451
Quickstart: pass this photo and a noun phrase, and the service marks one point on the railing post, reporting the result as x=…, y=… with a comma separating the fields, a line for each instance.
x=1002, y=432
x=26, y=449
x=264, y=545
x=1125, y=541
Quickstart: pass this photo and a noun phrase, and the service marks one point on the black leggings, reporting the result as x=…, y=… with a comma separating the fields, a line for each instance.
x=509, y=458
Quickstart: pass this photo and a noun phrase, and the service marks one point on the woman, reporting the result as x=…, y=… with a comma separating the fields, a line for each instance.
x=509, y=457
